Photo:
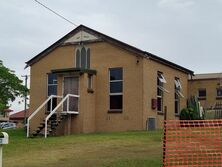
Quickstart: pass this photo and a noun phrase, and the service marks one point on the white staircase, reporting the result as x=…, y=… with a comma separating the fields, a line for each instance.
x=51, y=120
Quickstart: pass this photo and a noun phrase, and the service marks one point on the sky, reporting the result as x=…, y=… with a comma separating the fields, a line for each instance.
x=186, y=32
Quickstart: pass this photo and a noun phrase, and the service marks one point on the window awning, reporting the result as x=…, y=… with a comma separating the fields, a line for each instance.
x=79, y=71
x=177, y=84
x=178, y=88
x=161, y=78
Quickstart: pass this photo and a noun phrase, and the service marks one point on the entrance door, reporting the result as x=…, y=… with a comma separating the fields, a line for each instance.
x=71, y=86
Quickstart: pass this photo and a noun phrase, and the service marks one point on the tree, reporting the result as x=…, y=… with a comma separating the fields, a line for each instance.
x=10, y=86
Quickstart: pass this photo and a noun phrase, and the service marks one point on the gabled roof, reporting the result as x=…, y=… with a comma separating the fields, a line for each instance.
x=103, y=37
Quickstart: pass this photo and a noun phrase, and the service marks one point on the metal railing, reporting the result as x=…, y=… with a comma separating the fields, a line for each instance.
x=57, y=107
x=39, y=109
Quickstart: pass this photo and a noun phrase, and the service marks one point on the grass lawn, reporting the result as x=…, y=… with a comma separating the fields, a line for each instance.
x=127, y=149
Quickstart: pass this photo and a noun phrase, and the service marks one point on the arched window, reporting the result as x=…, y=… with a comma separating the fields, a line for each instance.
x=88, y=58
x=78, y=58
x=83, y=58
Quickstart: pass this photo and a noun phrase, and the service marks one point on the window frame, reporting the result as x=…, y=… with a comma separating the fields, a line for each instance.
x=54, y=100
x=161, y=77
x=51, y=84
x=160, y=91
x=116, y=93
x=178, y=87
x=177, y=95
x=202, y=97
x=217, y=93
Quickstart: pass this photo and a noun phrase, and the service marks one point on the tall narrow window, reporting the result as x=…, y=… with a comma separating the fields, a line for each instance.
x=178, y=87
x=83, y=58
x=219, y=92
x=90, y=83
x=78, y=58
x=160, y=89
x=88, y=59
x=52, y=90
x=177, y=95
x=116, y=89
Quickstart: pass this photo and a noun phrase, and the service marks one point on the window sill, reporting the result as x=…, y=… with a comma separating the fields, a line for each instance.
x=115, y=111
x=202, y=98
x=177, y=115
x=218, y=97
x=160, y=113
x=90, y=90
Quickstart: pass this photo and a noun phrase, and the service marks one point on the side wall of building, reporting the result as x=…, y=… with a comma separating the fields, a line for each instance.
x=151, y=68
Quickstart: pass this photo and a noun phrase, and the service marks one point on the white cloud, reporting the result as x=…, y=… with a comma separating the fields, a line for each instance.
x=175, y=4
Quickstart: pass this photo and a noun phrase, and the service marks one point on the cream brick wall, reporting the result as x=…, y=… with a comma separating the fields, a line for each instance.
x=211, y=86
x=139, y=87
x=150, y=90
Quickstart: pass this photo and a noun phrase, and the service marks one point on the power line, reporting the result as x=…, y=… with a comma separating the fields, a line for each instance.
x=56, y=13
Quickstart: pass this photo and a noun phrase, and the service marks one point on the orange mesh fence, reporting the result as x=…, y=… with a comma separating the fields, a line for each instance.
x=192, y=143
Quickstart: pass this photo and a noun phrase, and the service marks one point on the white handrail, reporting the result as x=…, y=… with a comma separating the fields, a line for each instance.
x=54, y=110
x=38, y=109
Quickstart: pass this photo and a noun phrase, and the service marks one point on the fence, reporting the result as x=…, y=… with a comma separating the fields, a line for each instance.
x=196, y=143
x=215, y=112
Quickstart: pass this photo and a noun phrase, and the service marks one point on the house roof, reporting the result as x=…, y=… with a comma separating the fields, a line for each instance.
x=103, y=37
x=19, y=115
x=206, y=76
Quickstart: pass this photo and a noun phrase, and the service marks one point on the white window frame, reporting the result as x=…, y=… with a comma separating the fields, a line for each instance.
x=177, y=83
x=162, y=80
x=178, y=87
x=119, y=93
x=53, y=84
x=161, y=77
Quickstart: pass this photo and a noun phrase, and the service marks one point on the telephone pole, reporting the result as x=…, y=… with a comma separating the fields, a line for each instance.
x=25, y=100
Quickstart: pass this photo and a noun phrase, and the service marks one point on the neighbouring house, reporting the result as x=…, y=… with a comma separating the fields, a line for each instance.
x=207, y=87
x=4, y=115
x=101, y=84
x=19, y=117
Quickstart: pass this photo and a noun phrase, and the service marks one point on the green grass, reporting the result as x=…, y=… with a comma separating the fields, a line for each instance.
x=127, y=149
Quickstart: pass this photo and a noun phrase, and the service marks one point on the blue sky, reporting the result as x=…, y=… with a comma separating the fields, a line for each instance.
x=186, y=32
